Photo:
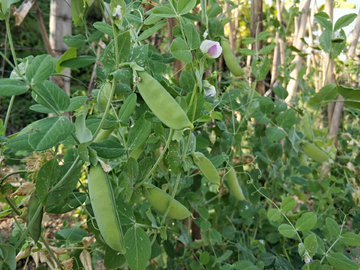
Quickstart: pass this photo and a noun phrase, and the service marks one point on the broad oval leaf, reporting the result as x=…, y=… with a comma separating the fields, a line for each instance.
x=332, y=227
x=79, y=62
x=340, y=262
x=138, y=248
x=306, y=222
x=180, y=50
x=344, y=21
x=49, y=131
x=286, y=230
x=74, y=41
x=288, y=204
x=351, y=239
x=275, y=134
x=40, y=69
x=9, y=87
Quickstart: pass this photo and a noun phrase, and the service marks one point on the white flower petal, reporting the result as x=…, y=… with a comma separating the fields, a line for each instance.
x=210, y=91
x=215, y=47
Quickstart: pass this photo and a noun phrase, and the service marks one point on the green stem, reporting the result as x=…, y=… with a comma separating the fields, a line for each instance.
x=12, y=205
x=65, y=176
x=172, y=197
x=38, y=210
x=51, y=252
x=11, y=103
x=8, y=30
x=158, y=160
x=288, y=220
x=12, y=173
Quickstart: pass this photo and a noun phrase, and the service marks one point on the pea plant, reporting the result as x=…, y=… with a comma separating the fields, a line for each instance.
x=177, y=170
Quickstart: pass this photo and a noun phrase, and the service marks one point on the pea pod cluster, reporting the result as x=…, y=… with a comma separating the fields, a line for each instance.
x=103, y=204
x=161, y=200
x=206, y=167
x=161, y=103
x=35, y=229
x=230, y=59
x=234, y=185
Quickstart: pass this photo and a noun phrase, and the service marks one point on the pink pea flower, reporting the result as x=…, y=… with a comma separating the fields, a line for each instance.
x=212, y=48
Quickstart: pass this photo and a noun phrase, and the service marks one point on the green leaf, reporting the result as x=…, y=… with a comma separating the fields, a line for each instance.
x=20, y=142
x=76, y=103
x=325, y=41
x=148, y=32
x=215, y=236
x=192, y=36
x=113, y=259
x=59, y=196
x=173, y=158
x=49, y=131
x=71, y=235
x=332, y=227
x=286, y=230
x=138, y=134
x=138, y=248
x=262, y=69
x=323, y=19
x=79, y=62
x=83, y=134
x=9, y=87
x=69, y=54
x=180, y=50
x=274, y=134
x=40, y=108
x=139, y=55
x=51, y=96
x=109, y=148
x=344, y=21
x=351, y=239
x=245, y=51
x=280, y=91
x=74, y=41
x=350, y=94
x=204, y=257
x=185, y=6
x=288, y=204
x=273, y=214
x=311, y=244
x=263, y=35
x=77, y=12
x=164, y=12
x=286, y=119
x=128, y=107
x=48, y=175
x=104, y=28
x=326, y=94
x=306, y=222
x=267, y=49
x=186, y=81
x=7, y=252
x=75, y=200
x=340, y=262
x=40, y=69
x=204, y=212
x=244, y=265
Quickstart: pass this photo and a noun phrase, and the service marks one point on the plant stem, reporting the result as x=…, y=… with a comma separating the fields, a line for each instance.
x=12, y=205
x=158, y=160
x=51, y=252
x=12, y=173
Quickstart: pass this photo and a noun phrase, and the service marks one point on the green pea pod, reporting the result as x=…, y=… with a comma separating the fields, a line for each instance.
x=103, y=96
x=303, y=162
x=35, y=229
x=234, y=184
x=103, y=135
x=161, y=103
x=160, y=200
x=206, y=167
x=308, y=130
x=314, y=152
x=230, y=59
x=104, y=207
